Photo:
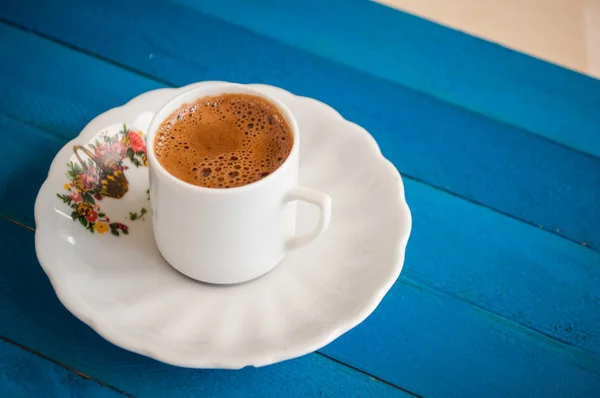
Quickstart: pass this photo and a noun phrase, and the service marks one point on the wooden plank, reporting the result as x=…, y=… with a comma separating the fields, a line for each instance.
x=471, y=73
x=58, y=103
x=440, y=347
x=26, y=154
x=513, y=283
x=562, y=24
x=23, y=374
x=459, y=248
x=418, y=338
x=488, y=162
x=470, y=259
x=484, y=77
x=31, y=315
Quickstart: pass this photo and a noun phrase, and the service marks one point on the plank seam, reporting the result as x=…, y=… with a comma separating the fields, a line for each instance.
x=367, y=374
x=171, y=84
x=414, y=281
x=404, y=175
x=37, y=126
x=513, y=323
x=17, y=223
x=428, y=94
x=86, y=52
x=83, y=375
x=67, y=367
x=476, y=203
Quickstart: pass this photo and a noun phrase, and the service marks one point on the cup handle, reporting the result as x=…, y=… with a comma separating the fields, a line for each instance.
x=320, y=199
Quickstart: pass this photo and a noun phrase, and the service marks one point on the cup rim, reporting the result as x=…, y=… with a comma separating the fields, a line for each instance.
x=214, y=90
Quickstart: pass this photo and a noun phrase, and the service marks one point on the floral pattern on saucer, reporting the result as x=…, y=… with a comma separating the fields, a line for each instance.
x=103, y=175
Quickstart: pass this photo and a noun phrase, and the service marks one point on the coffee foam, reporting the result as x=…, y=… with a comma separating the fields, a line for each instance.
x=224, y=141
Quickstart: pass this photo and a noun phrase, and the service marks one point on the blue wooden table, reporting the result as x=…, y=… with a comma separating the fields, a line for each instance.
x=500, y=293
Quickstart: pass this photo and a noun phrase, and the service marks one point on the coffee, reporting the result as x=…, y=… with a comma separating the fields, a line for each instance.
x=224, y=141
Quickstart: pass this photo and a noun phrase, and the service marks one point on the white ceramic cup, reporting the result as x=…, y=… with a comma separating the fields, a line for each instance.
x=229, y=235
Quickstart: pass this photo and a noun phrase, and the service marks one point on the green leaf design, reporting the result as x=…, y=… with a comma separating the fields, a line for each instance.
x=135, y=216
x=101, y=214
x=88, y=198
x=66, y=199
x=74, y=215
x=83, y=221
x=125, y=232
x=114, y=232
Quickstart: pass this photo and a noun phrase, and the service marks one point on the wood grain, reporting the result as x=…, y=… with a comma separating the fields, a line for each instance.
x=462, y=249
x=481, y=76
x=530, y=276
x=491, y=264
x=30, y=314
x=440, y=143
x=517, y=24
x=417, y=338
x=497, y=278
x=23, y=374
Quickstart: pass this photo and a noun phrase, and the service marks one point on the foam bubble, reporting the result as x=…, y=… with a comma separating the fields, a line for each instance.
x=214, y=139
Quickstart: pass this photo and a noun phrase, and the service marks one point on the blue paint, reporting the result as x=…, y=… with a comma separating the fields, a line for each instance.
x=468, y=72
x=23, y=170
x=495, y=164
x=31, y=315
x=56, y=88
x=511, y=307
x=418, y=338
x=438, y=346
x=520, y=272
x=23, y=374
x=518, y=280
x=507, y=276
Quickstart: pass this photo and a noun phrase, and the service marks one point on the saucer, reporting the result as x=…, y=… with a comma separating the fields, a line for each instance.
x=94, y=241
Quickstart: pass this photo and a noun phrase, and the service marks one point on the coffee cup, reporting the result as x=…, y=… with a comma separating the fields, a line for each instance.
x=227, y=236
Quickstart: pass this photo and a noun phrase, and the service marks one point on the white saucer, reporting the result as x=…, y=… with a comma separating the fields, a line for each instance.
x=124, y=290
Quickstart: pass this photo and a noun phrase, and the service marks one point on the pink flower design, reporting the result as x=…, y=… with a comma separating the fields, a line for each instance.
x=90, y=179
x=119, y=150
x=75, y=196
x=100, y=150
x=137, y=142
